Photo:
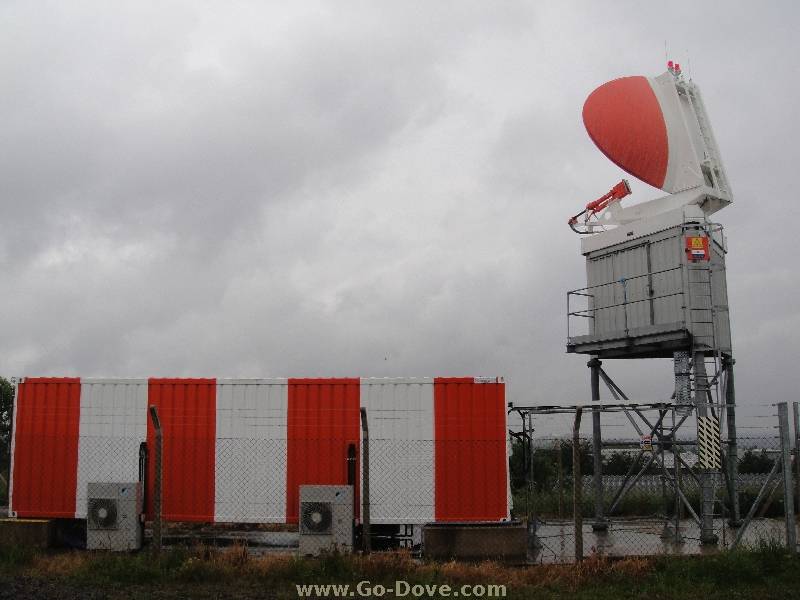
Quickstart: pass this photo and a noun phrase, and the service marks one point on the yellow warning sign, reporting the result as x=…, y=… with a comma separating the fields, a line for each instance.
x=697, y=248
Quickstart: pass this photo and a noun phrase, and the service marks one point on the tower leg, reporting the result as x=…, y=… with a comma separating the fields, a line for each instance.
x=701, y=397
x=683, y=397
x=683, y=384
x=733, y=450
x=600, y=523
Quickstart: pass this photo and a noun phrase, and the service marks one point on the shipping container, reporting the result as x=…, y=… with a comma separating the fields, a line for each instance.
x=237, y=450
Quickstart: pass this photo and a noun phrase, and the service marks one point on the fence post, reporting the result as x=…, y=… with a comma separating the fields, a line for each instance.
x=10, y=457
x=676, y=459
x=796, y=415
x=560, y=481
x=157, y=482
x=788, y=485
x=532, y=518
x=365, y=533
x=577, y=485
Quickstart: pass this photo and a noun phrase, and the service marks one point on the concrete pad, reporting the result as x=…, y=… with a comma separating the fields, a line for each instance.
x=504, y=543
x=27, y=533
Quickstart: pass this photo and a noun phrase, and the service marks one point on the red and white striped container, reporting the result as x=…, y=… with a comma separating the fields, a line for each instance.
x=237, y=450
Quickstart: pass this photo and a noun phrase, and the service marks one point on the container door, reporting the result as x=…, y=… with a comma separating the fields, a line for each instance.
x=603, y=303
x=667, y=281
x=632, y=286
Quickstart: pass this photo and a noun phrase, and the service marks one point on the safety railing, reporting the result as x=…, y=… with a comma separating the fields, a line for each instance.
x=620, y=288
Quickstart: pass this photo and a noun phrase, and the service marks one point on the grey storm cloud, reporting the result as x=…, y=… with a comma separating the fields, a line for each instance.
x=361, y=188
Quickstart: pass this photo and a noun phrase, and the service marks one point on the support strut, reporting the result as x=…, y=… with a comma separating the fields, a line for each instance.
x=600, y=523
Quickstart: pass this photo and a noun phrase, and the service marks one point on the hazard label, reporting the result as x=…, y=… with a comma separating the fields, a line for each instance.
x=697, y=248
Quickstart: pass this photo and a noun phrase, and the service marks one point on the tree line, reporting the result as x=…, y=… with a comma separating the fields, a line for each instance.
x=618, y=462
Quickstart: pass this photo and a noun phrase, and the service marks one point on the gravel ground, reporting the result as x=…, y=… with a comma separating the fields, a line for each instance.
x=34, y=587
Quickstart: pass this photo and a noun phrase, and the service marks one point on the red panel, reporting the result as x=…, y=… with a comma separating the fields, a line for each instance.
x=323, y=419
x=46, y=447
x=187, y=411
x=623, y=117
x=471, y=460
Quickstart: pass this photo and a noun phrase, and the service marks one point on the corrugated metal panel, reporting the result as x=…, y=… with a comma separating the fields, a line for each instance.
x=238, y=450
x=655, y=299
x=187, y=410
x=720, y=298
x=600, y=275
x=470, y=450
x=677, y=293
x=113, y=423
x=629, y=267
x=323, y=419
x=666, y=255
x=400, y=414
x=251, y=453
x=46, y=447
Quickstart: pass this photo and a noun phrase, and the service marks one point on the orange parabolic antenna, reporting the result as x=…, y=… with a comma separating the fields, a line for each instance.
x=624, y=119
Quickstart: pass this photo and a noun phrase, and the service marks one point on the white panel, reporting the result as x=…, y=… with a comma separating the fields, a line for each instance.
x=400, y=415
x=683, y=136
x=251, y=451
x=113, y=423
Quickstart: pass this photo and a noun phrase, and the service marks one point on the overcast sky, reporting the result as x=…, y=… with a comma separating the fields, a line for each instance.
x=363, y=188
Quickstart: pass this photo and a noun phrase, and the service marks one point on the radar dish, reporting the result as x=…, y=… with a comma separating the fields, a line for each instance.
x=624, y=119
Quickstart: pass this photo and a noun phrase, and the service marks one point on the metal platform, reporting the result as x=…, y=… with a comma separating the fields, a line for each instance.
x=653, y=341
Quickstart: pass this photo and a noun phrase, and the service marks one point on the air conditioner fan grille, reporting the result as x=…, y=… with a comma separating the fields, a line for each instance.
x=316, y=517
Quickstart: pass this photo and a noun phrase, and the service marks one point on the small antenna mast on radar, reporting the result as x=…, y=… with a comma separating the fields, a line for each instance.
x=688, y=65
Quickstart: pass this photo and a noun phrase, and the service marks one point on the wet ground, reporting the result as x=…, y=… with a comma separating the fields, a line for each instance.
x=555, y=539
x=258, y=542
x=646, y=537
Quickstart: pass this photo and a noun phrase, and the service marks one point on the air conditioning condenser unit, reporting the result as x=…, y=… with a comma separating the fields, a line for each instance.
x=326, y=519
x=113, y=516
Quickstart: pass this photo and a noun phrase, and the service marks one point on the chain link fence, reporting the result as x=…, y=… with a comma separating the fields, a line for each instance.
x=652, y=493
x=221, y=489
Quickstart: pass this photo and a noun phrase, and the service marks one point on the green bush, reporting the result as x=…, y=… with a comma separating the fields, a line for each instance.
x=640, y=503
x=755, y=462
x=545, y=464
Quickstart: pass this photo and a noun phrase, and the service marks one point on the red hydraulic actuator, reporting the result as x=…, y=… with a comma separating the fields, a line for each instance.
x=618, y=192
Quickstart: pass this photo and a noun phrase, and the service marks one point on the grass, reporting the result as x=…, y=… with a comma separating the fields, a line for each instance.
x=635, y=503
x=638, y=502
x=766, y=572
